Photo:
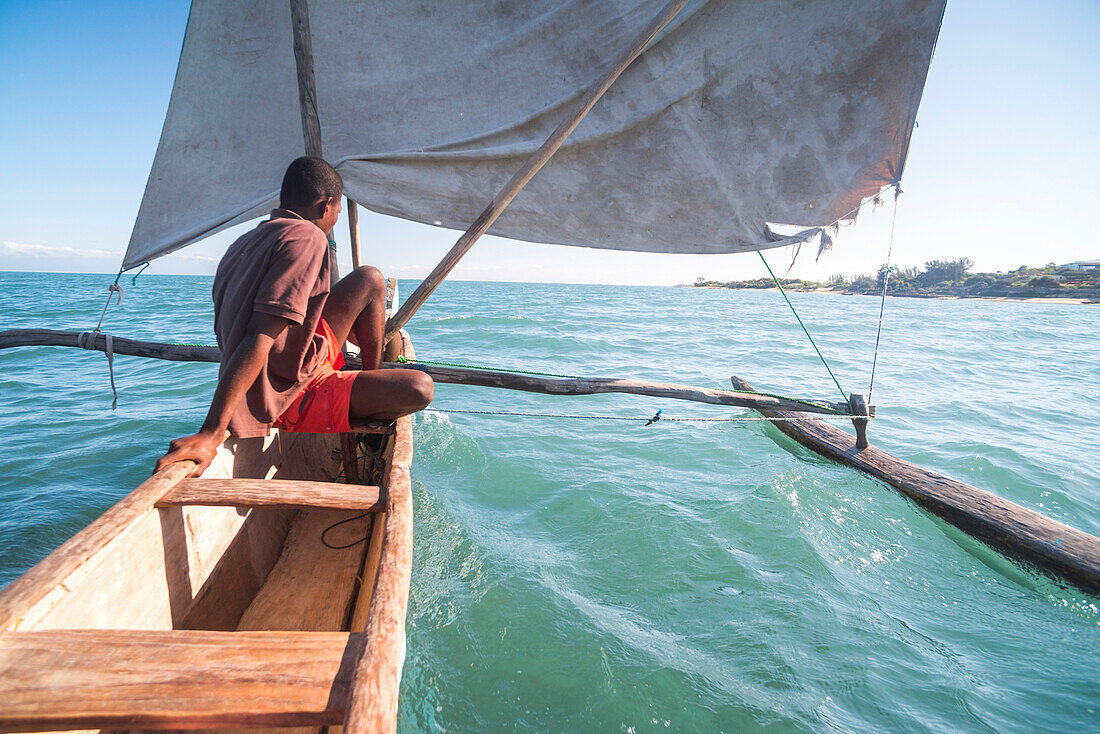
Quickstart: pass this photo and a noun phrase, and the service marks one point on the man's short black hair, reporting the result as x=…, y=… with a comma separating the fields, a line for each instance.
x=308, y=179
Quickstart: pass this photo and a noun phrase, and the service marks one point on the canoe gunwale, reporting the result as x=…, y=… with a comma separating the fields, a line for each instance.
x=375, y=687
x=51, y=572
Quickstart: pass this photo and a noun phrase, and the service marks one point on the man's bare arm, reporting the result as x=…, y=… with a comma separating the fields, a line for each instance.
x=244, y=367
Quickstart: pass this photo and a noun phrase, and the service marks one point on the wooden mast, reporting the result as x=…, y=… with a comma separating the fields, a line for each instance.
x=307, y=98
x=529, y=169
x=353, y=232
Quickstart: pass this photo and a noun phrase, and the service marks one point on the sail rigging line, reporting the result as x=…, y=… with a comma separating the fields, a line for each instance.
x=804, y=329
x=885, y=283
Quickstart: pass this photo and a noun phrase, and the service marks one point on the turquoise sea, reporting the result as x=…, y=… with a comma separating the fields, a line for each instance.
x=599, y=576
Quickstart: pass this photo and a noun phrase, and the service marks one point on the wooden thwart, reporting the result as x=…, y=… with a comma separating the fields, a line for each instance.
x=1005, y=525
x=90, y=679
x=282, y=493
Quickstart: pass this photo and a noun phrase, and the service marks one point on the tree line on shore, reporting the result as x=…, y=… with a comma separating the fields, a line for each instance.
x=945, y=278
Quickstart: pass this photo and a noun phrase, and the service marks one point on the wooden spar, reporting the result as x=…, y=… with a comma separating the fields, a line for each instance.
x=450, y=375
x=529, y=169
x=121, y=345
x=353, y=233
x=1004, y=525
x=600, y=385
x=307, y=99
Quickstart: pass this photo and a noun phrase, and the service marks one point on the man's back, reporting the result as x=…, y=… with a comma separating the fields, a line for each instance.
x=280, y=268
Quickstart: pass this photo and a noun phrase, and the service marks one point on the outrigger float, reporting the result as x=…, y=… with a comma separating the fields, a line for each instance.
x=272, y=591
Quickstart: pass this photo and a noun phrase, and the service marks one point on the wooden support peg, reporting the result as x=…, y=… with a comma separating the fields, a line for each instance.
x=858, y=403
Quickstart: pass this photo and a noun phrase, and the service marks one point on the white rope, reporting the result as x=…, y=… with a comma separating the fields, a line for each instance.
x=111, y=368
x=87, y=339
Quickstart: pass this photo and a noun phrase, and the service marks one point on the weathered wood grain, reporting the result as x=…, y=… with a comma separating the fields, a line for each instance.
x=597, y=385
x=307, y=88
x=311, y=586
x=1000, y=523
x=122, y=345
x=284, y=493
x=69, y=679
x=530, y=168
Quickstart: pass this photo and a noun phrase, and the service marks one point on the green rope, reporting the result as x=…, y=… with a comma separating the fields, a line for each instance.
x=405, y=360
x=807, y=331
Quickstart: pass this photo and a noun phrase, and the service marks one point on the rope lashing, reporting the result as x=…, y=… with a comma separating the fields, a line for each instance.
x=779, y=285
x=111, y=368
x=885, y=283
x=87, y=339
x=647, y=421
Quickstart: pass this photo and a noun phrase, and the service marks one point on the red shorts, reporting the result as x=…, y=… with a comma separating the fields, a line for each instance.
x=322, y=406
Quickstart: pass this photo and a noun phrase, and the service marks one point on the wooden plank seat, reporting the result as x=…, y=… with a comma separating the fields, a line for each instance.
x=282, y=493
x=182, y=679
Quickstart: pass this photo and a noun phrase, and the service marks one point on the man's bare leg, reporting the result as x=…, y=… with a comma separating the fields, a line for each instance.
x=356, y=309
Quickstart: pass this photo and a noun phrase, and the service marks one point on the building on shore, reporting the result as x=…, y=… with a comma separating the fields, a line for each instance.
x=1082, y=265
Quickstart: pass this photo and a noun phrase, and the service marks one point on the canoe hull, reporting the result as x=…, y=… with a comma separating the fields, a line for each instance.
x=141, y=569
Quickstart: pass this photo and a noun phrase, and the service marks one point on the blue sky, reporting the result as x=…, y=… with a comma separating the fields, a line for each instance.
x=1002, y=166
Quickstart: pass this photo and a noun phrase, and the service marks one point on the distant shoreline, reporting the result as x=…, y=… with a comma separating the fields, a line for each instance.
x=947, y=280
x=933, y=297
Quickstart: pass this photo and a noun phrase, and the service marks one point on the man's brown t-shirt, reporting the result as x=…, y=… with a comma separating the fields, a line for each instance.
x=280, y=268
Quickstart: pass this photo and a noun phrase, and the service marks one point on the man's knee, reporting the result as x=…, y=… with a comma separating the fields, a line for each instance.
x=370, y=278
x=421, y=389
x=363, y=284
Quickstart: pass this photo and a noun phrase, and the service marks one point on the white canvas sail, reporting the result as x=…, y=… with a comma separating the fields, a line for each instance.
x=739, y=114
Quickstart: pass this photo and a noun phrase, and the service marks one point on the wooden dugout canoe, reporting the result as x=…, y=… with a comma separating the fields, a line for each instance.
x=214, y=603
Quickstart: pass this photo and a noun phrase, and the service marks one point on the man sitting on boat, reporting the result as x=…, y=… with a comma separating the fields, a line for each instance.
x=281, y=329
